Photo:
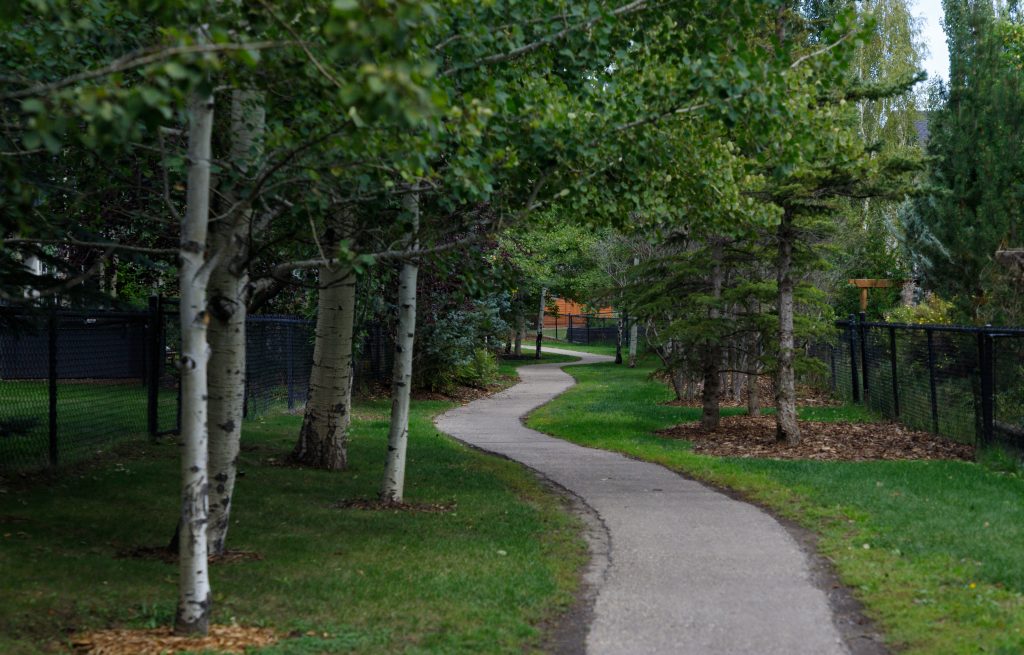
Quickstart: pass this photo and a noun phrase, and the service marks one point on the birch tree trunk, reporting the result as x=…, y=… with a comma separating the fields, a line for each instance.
x=193, y=612
x=540, y=322
x=323, y=439
x=229, y=291
x=633, y=331
x=712, y=358
x=786, y=428
x=393, y=487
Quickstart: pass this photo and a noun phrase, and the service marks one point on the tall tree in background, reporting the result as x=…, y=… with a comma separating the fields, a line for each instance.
x=976, y=137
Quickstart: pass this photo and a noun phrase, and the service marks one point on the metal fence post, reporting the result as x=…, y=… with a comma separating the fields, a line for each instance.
x=153, y=365
x=290, y=369
x=855, y=380
x=986, y=371
x=832, y=366
x=588, y=330
x=895, y=379
x=864, y=355
x=931, y=381
x=51, y=325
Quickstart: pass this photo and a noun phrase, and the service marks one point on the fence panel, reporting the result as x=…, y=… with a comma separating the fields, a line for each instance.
x=75, y=383
x=591, y=329
x=965, y=383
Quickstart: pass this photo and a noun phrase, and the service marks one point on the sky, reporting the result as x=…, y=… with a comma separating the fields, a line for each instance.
x=936, y=62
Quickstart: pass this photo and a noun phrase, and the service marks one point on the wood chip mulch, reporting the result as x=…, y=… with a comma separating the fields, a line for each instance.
x=464, y=394
x=161, y=641
x=745, y=436
x=163, y=554
x=805, y=397
x=388, y=505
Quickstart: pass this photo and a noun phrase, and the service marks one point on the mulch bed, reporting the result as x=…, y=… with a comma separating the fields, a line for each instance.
x=805, y=397
x=161, y=641
x=389, y=505
x=745, y=436
x=164, y=554
x=463, y=394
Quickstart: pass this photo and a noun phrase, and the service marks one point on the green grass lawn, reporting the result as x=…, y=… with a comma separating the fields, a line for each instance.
x=596, y=348
x=935, y=550
x=92, y=417
x=481, y=578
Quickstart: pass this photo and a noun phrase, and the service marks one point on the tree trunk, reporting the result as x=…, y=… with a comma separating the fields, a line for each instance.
x=193, y=612
x=228, y=291
x=520, y=329
x=540, y=323
x=712, y=359
x=678, y=378
x=786, y=428
x=633, y=331
x=618, y=340
x=393, y=487
x=323, y=439
x=753, y=381
x=508, y=341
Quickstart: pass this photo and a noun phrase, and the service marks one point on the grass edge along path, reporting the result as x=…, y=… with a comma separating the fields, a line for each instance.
x=486, y=576
x=932, y=549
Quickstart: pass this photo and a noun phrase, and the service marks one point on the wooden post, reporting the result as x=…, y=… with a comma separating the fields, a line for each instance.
x=870, y=283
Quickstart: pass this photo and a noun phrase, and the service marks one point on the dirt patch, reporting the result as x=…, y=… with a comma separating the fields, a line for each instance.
x=392, y=506
x=159, y=641
x=745, y=436
x=164, y=554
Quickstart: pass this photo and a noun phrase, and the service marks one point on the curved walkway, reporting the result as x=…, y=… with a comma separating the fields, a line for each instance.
x=690, y=570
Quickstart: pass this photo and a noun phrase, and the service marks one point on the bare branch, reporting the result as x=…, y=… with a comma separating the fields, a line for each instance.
x=71, y=241
x=628, y=8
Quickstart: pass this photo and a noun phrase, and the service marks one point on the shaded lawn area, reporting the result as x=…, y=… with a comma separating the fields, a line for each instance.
x=933, y=549
x=91, y=416
x=481, y=578
x=596, y=348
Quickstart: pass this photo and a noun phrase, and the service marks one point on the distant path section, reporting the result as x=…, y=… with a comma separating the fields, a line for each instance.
x=688, y=570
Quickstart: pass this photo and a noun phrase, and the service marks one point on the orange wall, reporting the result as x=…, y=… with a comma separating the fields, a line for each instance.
x=564, y=307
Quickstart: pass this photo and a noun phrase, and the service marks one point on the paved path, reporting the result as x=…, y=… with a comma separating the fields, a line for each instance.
x=690, y=570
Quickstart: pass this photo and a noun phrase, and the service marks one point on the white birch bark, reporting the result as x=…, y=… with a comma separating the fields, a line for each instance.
x=633, y=331
x=194, y=597
x=786, y=427
x=540, y=322
x=393, y=487
x=323, y=439
x=228, y=296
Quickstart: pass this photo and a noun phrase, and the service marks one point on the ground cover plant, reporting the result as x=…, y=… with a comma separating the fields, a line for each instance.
x=482, y=575
x=930, y=547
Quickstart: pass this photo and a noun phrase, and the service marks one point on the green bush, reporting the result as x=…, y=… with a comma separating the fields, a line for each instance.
x=480, y=371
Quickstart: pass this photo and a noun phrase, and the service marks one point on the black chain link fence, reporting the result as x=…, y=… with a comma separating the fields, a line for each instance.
x=965, y=383
x=595, y=329
x=75, y=383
